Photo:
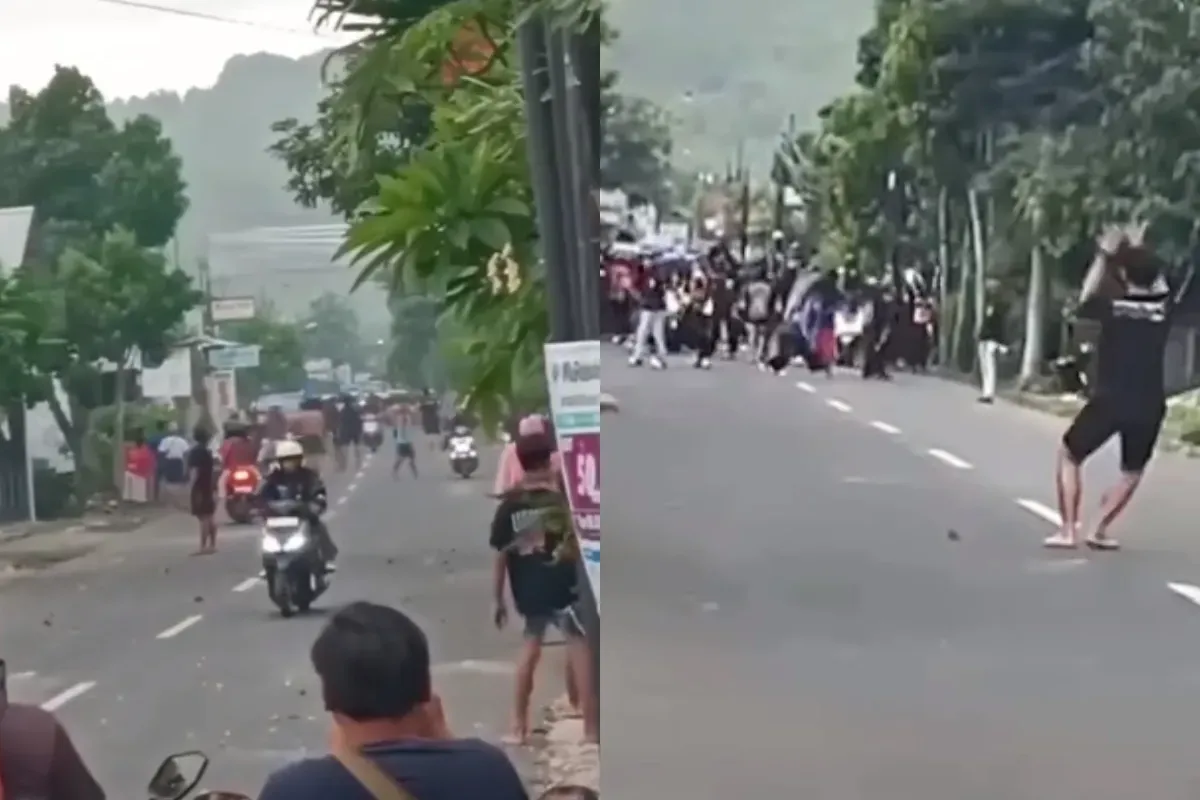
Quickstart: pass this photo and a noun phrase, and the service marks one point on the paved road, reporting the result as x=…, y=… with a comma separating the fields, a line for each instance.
x=151, y=651
x=787, y=613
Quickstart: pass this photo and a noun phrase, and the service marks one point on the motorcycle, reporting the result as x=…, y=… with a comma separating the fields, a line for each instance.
x=464, y=458
x=293, y=566
x=179, y=774
x=372, y=435
x=241, y=486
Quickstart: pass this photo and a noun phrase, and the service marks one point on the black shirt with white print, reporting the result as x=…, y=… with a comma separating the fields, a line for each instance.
x=541, y=584
x=1131, y=348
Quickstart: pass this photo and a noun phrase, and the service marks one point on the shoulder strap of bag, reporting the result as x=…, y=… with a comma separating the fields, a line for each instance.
x=381, y=785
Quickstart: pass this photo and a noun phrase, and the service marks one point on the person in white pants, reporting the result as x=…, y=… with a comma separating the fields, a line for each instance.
x=991, y=346
x=652, y=325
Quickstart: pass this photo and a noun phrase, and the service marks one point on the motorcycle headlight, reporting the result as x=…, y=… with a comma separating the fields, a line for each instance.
x=295, y=542
x=270, y=544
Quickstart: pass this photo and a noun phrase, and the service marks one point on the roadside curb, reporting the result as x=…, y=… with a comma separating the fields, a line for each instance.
x=565, y=759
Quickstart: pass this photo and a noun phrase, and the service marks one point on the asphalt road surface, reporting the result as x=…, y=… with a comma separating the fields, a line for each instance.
x=152, y=651
x=835, y=590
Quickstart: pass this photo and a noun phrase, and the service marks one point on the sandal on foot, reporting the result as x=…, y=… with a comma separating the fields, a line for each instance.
x=1102, y=543
x=1060, y=541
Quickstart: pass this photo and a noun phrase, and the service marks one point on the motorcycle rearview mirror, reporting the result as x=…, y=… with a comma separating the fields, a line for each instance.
x=178, y=775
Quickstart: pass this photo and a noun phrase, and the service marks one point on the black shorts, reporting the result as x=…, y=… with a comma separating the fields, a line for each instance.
x=405, y=450
x=1100, y=419
x=203, y=502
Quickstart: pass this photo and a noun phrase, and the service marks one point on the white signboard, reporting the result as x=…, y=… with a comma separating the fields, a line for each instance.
x=318, y=367
x=14, y=236
x=229, y=358
x=232, y=309
x=171, y=379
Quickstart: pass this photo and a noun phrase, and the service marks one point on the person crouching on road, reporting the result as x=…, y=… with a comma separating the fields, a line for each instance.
x=1127, y=290
x=527, y=537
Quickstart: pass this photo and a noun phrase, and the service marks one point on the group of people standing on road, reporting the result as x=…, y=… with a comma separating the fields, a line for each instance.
x=778, y=308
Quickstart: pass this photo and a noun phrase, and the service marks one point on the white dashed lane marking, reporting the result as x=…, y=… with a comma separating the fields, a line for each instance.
x=1187, y=591
x=806, y=387
x=839, y=406
x=883, y=426
x=180, y=627
x=1041, y=510
x=948, y=458
x=62, y=698
x=247, y=584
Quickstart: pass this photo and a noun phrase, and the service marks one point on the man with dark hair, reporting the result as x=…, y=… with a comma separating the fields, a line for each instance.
x=377, y=684
x=1127, y=290
x=543, y=585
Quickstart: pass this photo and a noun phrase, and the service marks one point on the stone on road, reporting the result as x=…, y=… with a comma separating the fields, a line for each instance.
x=787, y=615
x=156, y=652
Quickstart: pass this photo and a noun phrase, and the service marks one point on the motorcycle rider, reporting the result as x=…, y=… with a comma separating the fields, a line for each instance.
x=295, y=481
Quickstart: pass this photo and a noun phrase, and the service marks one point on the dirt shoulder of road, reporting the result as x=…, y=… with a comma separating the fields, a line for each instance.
x=30, y=548
x=564, y=759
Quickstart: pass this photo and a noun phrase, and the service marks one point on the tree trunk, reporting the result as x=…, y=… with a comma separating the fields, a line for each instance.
x=944, y=267
x=979, y=249
x=962, y=357
x=118, y=454
x=1032, y=354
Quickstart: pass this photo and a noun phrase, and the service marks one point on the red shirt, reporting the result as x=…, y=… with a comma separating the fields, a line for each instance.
x=139, y=460
x=237, y=451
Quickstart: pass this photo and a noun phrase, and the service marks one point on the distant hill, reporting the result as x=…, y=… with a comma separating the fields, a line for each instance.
x=222, y=133
x=733, y=71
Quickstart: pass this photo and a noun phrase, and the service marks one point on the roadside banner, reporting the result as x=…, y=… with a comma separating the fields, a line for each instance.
x=573, y=375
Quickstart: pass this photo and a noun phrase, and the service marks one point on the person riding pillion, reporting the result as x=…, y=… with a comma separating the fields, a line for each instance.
x=295, y=481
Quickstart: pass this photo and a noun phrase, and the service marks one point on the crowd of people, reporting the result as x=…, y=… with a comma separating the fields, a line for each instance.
x=776, y=307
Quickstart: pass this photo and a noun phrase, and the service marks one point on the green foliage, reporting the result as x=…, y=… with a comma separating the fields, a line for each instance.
x=330, y=330
x=62, y=154
x=1016, y=129
x=635, y=150
x=414, y=360
x=281, y=359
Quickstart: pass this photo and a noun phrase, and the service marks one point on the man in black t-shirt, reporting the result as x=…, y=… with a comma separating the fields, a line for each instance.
x=543, y=585
x=1128, y=291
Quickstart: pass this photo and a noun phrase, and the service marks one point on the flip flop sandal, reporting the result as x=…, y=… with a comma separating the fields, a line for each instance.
x=1102, y=544
x=1059, y=542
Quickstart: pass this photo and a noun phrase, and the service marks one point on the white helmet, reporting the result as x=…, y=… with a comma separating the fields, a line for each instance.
x=288, y=449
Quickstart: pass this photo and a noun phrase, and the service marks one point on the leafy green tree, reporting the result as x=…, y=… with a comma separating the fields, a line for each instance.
x=413, y=357
x=331, y=330
x=635, y=148
x=61, y=154
x=281, y=358
x=118, y=301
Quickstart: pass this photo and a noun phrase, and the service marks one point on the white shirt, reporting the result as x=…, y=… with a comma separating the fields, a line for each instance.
x=174, y=446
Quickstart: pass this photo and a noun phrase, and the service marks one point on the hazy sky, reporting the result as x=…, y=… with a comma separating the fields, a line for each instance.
x=133, y=51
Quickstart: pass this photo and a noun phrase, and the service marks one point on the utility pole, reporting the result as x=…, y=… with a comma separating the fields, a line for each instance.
x=564, y=154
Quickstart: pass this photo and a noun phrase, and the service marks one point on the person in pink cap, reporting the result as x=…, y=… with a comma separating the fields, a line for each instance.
x=509, y=473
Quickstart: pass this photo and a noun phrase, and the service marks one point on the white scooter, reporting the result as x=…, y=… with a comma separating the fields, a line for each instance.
x=464, y=458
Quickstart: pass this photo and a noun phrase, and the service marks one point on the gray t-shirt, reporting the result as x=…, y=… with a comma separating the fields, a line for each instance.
x=758, y=301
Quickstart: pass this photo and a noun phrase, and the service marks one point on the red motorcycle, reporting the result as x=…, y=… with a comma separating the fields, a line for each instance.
x=241, y=486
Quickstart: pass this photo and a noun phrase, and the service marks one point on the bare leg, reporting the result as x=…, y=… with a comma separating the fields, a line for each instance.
x=579, y=660
x=1112, y=504
x=527, y=663
x=1069, y=485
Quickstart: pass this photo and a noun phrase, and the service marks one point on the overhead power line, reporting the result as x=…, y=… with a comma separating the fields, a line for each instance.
x=246, y=23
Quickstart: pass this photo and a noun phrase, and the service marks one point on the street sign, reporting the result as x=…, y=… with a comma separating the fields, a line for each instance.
x=573, y=375
x=232, y=309
x=227, y=358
